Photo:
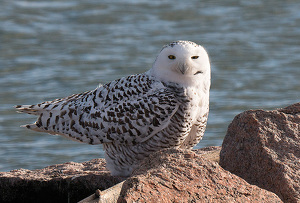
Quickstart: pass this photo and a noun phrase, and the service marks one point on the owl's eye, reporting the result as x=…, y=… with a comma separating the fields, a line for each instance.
x=195, y=57
x=198, y=72
x=172, y=57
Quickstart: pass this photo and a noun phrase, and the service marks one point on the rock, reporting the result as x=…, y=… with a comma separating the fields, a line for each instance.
x=170, y=175
x=263, y=147
x=112, y=194
x=211, y=153
x=69, y=182
x=183, y=176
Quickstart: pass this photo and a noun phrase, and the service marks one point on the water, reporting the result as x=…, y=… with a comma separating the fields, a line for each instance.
x=51, y=49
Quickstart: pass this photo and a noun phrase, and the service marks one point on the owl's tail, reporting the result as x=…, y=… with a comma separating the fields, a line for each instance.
x=38, y=110
x=30, y=109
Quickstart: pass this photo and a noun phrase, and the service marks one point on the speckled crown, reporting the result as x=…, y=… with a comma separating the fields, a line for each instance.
x=180, y=42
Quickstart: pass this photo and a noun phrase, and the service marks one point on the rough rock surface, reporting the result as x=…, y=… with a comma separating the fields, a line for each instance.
x=263, y=147
x=69, y=182
x=183, y=176
x=112, y=194
x=211, y=153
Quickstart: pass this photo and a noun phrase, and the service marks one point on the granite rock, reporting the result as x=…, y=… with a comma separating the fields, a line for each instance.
x=183, y=176
x=263, y=147
x=112, y=194
x=68, y=182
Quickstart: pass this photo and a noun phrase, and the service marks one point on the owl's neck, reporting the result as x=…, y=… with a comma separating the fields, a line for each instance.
x=202, y=82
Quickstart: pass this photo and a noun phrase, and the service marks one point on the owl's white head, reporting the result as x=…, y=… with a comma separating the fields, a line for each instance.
x=183, y=62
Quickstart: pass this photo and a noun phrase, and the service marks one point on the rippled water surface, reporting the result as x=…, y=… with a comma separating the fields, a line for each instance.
x=51, y=49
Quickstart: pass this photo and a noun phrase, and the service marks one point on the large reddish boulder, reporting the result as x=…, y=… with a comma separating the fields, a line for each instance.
x=263, y=147
x=183, y=176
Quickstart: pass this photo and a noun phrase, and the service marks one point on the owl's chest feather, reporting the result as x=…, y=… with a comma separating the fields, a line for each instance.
x=198, y=102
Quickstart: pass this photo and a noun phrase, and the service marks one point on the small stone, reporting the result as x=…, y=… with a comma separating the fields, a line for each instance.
x=98, y=193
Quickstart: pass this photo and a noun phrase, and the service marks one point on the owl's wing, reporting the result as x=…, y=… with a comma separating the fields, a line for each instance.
x=129, y=110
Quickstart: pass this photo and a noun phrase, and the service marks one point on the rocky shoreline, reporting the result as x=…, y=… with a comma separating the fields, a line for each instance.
x=259, y=161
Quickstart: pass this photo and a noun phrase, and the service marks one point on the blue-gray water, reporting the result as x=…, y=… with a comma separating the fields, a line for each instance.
x=51, y=49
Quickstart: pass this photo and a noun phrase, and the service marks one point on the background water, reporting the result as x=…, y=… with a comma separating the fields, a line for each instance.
x=51, y=49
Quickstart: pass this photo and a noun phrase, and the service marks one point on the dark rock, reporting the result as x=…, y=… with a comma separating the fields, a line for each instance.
x=69, y=182
x=263, y=147
x=183, y=176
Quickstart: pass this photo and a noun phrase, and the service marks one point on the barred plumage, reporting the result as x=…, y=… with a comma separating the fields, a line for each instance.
x=136, y=115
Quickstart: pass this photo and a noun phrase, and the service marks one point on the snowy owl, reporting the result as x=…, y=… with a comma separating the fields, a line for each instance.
x=134, y=116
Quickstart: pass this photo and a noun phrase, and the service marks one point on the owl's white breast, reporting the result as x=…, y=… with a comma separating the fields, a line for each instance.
x=199, y=101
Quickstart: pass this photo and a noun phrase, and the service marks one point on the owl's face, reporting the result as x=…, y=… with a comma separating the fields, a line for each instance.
x=182, y=62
